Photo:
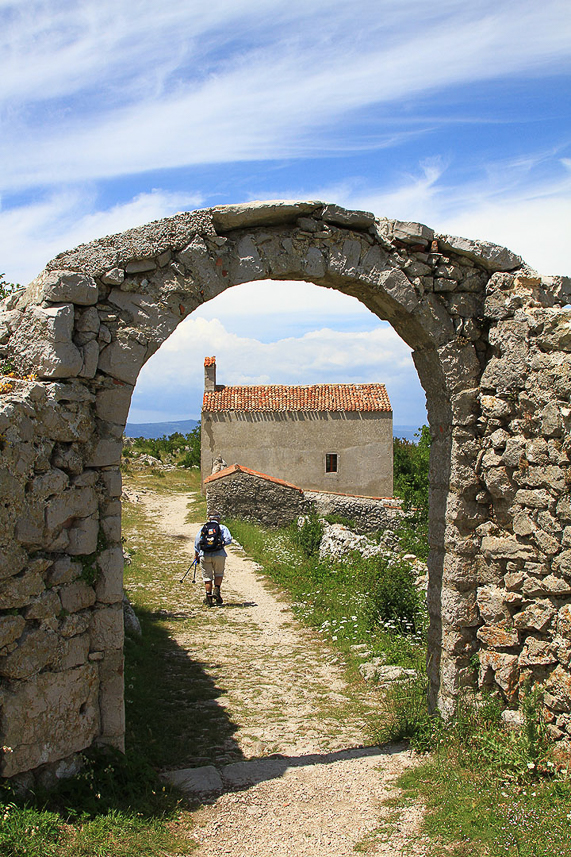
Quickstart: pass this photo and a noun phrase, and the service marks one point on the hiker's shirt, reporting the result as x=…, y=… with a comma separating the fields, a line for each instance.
x=226, y=538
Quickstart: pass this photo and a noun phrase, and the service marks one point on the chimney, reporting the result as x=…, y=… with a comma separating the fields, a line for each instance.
x=209, y=374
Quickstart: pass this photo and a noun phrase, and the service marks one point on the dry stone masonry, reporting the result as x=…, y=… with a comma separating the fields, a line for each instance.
x=491, y=342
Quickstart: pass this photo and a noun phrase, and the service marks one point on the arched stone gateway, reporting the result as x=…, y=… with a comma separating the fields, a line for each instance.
x=491, y=342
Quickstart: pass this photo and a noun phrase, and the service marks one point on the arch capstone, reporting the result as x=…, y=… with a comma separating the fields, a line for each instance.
x=491, y=343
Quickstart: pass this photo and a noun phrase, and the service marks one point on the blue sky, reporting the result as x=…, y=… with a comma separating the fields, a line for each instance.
x=117, y=112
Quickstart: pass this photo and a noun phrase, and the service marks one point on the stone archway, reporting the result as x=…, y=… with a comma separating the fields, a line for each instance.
x=491, y=345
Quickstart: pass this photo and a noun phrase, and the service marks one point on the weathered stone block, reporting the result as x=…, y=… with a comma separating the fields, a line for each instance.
x=491, y=256
x=11, y=628
x=458, y=609
x=77, y=596
x=107, y=452
x=19, y=591
x=69, y=287
x=113, y=403
x=503, y=669
x=498, y=636
x=74, y=652
x=111, y=696
x=44, y=337
x=36, y=649
x=533, y=499
x=62, y=717
x=114, y=277
x=90, y=354
x=558, y=688
x=564, y=621
x=109, y=586
x=491, y=605
x=345, y=217
x=73, y=503
x=76, y=623
x=535, y=617
x=87, y=321
x=63, y=571
x=45, y=605
x=107, y=628
x=12, y=560
x=497, y=547
x=123, y=359
x=537, y=653
x=83, y=536
x=113, y=482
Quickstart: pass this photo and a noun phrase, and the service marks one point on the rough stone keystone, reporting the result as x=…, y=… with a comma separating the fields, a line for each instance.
x=491, y=256
x=226, y=217
x=346, y=217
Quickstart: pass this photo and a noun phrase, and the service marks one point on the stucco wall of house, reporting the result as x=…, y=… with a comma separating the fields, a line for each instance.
x=292, y=446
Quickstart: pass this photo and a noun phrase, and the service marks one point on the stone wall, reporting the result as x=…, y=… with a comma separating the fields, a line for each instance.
x=523, y=550
x=369, y=514
x=491, y=344
x=238, y=492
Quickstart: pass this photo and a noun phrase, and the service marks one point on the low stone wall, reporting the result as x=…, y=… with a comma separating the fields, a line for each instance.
x=367, y=513
x=238, y=492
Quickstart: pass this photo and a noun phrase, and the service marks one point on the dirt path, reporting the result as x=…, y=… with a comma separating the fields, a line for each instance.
x=311, y=787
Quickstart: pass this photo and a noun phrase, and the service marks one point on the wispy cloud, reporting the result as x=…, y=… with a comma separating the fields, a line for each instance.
x=33, y=233
x=108, y=89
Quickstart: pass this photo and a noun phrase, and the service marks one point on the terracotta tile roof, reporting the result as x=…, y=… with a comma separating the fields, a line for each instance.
x=239, y=468
x=209, y=361
x=316, y=397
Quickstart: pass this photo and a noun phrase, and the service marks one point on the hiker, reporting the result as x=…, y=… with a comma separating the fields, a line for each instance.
x=209, y=549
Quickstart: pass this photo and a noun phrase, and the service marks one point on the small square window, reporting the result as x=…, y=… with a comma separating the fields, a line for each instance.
x=331, y=462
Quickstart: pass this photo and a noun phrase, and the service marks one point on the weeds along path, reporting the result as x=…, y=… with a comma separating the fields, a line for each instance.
x=280, y=693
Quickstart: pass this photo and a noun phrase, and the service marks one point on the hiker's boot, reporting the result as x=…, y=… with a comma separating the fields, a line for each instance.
x=217, y=596
x=208, y=601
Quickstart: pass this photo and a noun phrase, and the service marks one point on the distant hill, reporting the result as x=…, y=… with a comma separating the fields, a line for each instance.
x=155, y=430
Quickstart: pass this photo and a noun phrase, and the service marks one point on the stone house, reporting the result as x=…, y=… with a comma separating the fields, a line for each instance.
x=321, y=437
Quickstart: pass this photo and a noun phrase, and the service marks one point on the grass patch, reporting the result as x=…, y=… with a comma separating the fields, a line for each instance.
x=115, y=807
x=358, y=602
x=493, y=792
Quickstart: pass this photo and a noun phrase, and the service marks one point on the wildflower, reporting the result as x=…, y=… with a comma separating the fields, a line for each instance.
x=531, y=765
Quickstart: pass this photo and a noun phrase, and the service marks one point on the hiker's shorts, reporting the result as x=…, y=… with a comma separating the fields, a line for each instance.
x=212, y=566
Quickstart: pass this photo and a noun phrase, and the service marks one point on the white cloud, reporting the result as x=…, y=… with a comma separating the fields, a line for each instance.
x=173, y=378
x=31, y=235
x=150, y=89
x=282, y=297
x=508, y=205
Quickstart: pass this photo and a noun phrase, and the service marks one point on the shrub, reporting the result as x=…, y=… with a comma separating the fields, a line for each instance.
x=309, y=534
x=391, y=595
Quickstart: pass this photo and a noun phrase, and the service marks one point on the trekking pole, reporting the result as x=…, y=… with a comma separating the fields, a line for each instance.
x=193, y=563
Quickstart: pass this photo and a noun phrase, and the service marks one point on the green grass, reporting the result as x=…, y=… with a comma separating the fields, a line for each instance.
x=356, y=602
x=489, y=792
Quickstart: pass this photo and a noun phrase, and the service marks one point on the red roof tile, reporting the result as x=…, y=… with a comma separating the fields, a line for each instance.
x=209, y=361
x=316, y=397
x=239, y=468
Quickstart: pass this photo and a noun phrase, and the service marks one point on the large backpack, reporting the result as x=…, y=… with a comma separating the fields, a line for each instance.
x=211, y=537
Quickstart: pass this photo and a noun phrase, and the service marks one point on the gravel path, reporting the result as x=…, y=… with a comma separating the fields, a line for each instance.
x=286, y=692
